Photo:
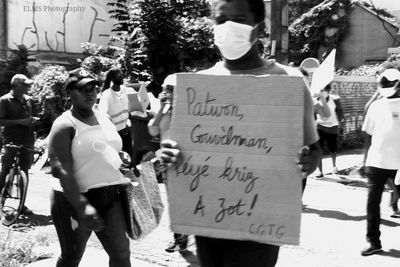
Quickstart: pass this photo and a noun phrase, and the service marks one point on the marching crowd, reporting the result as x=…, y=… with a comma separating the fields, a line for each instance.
x=89, y=196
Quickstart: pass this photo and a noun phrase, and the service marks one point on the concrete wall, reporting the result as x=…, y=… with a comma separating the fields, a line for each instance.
x=354, y=93
x=46, y=25
x=366, y=39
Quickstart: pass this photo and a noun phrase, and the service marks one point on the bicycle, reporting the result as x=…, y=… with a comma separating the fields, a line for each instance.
x=13, y=195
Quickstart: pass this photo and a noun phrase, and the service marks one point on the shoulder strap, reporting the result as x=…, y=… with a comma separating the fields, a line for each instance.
x=67, y=114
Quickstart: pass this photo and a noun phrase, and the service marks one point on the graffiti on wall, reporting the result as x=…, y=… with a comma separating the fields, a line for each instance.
x=62, y=28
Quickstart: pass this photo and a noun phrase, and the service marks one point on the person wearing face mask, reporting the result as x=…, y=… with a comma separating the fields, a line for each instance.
x=237, y=23
x=382, y=151
x=394, y=194
x=329, y=126
x=114, y=102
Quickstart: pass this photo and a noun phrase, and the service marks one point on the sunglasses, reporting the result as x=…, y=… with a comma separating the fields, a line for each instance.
x=87, y=89
x=385, y=83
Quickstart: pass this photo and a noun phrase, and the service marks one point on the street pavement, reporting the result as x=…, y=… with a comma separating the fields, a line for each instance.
x=332, y=229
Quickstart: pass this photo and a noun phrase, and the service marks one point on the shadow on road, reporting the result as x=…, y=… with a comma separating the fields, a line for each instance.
x=334, y=214
x=394, y=253
x=190, y=258
x=35, y=219
x=344, y=216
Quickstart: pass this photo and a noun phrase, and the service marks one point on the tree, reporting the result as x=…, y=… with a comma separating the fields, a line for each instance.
x=120, y=12
x=323, y=26
x=164, y=37
x=299, y=7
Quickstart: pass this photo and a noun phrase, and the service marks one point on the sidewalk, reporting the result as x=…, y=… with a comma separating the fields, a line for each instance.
x=332, y=230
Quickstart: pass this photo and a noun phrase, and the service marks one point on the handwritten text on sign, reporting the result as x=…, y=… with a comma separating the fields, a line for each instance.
x=239, y=137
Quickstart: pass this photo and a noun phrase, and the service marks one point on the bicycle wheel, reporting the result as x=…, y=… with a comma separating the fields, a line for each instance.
x=13, y=196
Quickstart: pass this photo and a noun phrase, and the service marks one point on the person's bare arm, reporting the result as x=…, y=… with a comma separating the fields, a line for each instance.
x=367, y=145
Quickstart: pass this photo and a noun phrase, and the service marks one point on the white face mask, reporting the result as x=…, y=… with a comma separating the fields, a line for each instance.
x=387, y=92
x=233, y=39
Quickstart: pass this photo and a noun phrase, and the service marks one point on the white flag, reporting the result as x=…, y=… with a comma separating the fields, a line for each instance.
x=324, y=74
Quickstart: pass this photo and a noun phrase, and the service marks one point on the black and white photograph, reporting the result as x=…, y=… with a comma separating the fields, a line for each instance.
x=199, y=133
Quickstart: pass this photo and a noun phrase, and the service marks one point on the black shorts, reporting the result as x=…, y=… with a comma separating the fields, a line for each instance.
x=330, y=139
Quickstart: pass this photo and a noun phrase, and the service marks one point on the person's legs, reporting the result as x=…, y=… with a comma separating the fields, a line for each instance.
x=213, y=252
x=6, y=162
x=25, y=162
x=210, y=251
x=394, y=197
x=179, y=243
x=376, y=182
x=331, y=140
x=114, y=238
x=127, y=144
x=321, y=142
x=71, y=236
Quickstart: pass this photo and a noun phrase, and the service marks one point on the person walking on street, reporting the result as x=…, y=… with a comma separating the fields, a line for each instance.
x=237, y=24
x=329, y=127
x=320, y=108
x=16, y=117
x=84, y=150
x=382, y=151
x=114, y=102
x=394, y=194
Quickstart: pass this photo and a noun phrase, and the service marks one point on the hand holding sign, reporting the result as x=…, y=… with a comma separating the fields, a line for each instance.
x=237, y=157
x=169, y=153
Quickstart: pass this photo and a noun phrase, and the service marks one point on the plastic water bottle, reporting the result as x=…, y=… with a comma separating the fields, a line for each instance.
x=109, y=154
x=14, y=189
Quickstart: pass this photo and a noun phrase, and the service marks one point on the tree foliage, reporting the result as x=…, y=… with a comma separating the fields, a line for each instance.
x=299, y=7
x=17, y=62
x=50, y=96
x=164, y=37
x=324, y=26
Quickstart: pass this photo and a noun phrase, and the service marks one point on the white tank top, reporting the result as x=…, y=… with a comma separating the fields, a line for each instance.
x=332, y=120
x=95, y=153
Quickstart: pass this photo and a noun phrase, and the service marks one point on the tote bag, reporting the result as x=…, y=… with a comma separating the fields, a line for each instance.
x=142, y=201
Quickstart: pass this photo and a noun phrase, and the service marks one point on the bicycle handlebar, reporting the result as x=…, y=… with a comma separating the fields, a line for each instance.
x=19, y=147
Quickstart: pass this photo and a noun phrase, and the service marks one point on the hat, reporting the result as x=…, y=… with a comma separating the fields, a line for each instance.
x=389, y=78
x=20, y=78
x=309, y=64
x=78, y=78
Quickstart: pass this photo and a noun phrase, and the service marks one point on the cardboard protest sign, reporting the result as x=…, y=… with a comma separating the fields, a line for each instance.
x=143, y=97
x=239, y=137
x=138, y=101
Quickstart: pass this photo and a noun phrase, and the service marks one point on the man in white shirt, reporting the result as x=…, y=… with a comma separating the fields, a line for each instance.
x=382, y=146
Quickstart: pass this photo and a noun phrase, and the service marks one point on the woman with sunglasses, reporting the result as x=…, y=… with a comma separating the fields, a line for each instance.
x=83, y=150
x=382, y=150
